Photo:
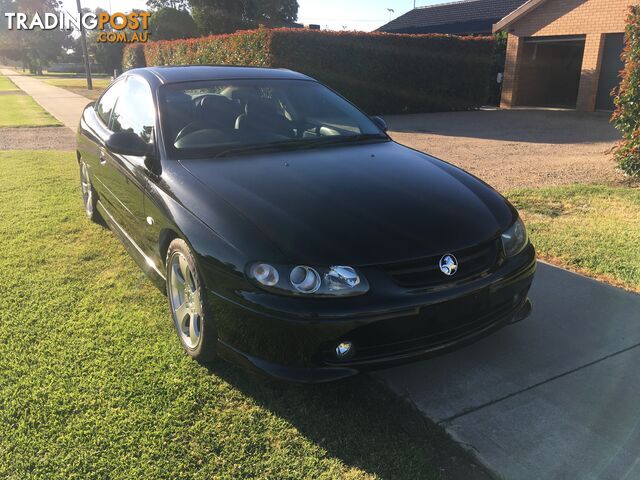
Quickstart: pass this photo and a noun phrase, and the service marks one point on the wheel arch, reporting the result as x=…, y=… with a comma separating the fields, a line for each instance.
x=167, y=235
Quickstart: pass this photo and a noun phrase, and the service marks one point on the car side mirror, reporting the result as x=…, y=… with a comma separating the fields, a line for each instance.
x=128, y=143
x=379, y=121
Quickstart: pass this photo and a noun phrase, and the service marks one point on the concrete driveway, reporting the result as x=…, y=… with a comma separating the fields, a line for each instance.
x=516, y=148
x=556, y=396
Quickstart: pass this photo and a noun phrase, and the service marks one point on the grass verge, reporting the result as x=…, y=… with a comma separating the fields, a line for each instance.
x=23, y=111
x=77, y=85
x=95, y=385
x=589, y=228
x=7, y=85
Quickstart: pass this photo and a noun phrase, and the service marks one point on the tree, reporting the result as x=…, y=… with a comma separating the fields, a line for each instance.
x=627, y=115
x=170, y=23
x=35, y=48
x=227, y=16
x=5, y=6
x=5, y=46
x=218, y=16
x=107, y=54
x=272, y=11
x=159, y=4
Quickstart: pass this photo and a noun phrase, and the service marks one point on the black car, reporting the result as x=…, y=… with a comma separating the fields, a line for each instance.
x=290, y=232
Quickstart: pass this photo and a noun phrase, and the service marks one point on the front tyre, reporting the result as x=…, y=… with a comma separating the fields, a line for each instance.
x=89, y=197
x=192, y=318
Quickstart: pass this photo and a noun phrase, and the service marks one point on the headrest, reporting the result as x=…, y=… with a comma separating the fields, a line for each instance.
x=261, y=107
x=180, y=101
x=217, y=104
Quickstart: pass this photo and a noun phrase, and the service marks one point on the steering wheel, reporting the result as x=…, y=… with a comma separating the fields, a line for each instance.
x=303, y=126
x=190, y=128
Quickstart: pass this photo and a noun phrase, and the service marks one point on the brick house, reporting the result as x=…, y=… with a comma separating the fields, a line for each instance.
x=563, y=53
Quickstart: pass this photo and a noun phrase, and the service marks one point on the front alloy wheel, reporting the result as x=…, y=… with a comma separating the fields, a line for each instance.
x=193, y=323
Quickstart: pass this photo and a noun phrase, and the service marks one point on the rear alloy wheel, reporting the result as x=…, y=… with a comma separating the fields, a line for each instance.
x=193, y=323
x=88, y=194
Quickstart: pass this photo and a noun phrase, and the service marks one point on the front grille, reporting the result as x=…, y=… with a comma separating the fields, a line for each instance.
x=428, y=331
x=425, y=272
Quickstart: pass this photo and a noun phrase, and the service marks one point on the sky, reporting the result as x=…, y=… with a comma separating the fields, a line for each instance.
x=363, y=15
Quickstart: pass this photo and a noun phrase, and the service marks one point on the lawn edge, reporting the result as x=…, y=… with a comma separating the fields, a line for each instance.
x=558, y=262
x=468, y=450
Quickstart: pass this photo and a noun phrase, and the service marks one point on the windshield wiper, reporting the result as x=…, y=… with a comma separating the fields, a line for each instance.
x=261, y=147
x=301, y=144
x=336, y=139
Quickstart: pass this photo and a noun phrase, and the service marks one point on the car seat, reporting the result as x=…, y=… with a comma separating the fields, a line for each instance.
x=217, y=112
x=181, y=110
x=263, y=115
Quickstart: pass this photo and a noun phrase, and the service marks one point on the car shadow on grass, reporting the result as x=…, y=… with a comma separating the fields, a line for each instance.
x=360, y=422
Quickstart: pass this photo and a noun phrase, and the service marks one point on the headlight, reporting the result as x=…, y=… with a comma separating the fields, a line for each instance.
x=265, y=274
x=514, y=239
x=305, y=279
x=334, y=281
x=341, y=278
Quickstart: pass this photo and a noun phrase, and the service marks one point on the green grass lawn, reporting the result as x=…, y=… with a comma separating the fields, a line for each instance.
x=94, y=383
x=589, y=228
x=7, y=85
x=77, y=83
x=18, y=110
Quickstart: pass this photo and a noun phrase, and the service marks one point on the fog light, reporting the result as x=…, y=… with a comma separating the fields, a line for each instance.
x=343, y=349
x=517, y=298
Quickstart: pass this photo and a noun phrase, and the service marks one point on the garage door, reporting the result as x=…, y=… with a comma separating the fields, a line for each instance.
x=611, y=66
x=550, y=71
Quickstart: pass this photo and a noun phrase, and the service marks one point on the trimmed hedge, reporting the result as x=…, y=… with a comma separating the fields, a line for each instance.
x=627, y=115
x=246, y=48
x=133, y=56
x=381, y=73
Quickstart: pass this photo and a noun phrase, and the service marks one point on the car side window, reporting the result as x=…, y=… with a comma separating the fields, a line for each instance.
x=107, y=102
x=134, y=110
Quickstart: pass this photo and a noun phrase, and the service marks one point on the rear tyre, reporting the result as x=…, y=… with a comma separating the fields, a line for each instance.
x=192, y=318
x=89, y=197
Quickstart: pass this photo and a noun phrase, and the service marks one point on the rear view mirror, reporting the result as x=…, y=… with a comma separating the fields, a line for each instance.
x=128, y=143
x=379, y=121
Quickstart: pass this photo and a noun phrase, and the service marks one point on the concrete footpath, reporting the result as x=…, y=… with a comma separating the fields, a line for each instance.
x=556, y=396
x=64, y=105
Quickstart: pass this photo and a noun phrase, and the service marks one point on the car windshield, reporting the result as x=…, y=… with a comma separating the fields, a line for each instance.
x=218, y=118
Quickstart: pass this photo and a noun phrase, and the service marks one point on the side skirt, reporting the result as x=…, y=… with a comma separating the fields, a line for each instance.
x=147, y=265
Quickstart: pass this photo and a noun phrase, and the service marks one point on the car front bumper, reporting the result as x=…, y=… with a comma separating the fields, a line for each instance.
x=295, y=339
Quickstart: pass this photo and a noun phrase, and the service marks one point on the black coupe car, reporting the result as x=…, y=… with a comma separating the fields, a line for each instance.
x=290, y=232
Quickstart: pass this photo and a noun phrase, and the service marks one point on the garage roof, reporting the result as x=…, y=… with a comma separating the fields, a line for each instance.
x=516, y=14
x=462, y=17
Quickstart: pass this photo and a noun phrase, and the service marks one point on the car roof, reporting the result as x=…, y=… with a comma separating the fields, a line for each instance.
x=196, y=73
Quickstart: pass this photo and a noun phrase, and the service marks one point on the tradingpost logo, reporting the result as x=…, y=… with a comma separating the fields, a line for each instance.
x=114, y=28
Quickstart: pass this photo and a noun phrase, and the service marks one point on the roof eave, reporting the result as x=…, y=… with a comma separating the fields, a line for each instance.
x=516, y=15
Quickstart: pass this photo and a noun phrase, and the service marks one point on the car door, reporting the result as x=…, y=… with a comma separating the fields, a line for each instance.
x=134, y=111
x=94, y=130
